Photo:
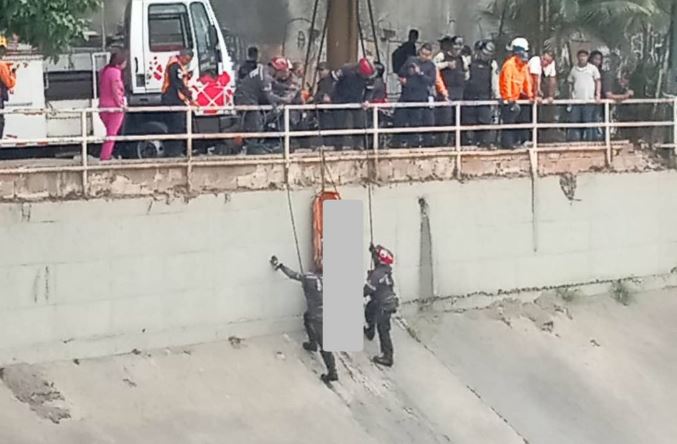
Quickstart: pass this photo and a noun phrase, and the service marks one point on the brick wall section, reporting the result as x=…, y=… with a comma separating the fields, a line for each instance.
x=342, y=169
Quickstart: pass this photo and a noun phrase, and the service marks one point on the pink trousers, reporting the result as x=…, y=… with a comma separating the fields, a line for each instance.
x=113, y=123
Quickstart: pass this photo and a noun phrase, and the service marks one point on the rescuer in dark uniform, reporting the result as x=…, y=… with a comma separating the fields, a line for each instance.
x=480, y=88
x=312, y=319
x=383, y=303
x=454, y=74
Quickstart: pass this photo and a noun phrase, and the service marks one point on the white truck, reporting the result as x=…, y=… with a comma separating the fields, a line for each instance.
x=155, y=30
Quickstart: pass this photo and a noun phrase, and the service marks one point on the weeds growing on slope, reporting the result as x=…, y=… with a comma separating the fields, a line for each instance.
x=621, y=293
x=568, y=294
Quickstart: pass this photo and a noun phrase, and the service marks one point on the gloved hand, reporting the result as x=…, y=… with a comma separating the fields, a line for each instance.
x=275, y=262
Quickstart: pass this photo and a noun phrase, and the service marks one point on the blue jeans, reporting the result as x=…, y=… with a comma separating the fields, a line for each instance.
x=583, y=114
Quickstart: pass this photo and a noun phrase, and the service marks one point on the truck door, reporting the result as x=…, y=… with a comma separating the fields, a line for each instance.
x=214, y=86
x=169, y=31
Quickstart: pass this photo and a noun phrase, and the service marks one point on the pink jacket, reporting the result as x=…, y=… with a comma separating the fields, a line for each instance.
x=111, y=88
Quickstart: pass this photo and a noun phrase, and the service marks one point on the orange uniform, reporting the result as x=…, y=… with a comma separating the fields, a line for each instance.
x=440, y=87
x=7, y=76
x=515, y=80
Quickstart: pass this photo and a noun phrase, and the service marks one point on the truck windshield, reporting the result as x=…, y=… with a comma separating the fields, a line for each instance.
x=206, y=48
x=169, y=28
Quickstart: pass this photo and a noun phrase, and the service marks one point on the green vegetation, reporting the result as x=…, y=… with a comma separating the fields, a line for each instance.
x=568, y=294
x=48, y=25
x=621, y=293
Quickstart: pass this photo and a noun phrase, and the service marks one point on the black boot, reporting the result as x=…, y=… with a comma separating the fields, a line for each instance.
x=370, y=333
x=310, y=346
x=329, y=377
x=386, y=361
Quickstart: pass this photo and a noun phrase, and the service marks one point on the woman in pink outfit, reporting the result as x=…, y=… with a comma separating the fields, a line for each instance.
x=112, y=95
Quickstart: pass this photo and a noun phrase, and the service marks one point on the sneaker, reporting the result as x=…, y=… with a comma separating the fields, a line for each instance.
x=310, y=346
x=329, y=378
x=384, y=361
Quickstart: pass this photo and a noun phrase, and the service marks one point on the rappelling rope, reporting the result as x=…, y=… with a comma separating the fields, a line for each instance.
x=293, y=226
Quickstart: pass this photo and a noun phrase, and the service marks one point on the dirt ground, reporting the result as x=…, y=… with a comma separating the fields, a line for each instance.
x=581, y=370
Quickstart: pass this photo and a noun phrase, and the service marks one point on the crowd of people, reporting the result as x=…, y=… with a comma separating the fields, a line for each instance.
x=454, y=73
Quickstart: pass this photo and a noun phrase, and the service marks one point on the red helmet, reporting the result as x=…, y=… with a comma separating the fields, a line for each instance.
x=280, y=64
x=384, y=256
x=366, y=68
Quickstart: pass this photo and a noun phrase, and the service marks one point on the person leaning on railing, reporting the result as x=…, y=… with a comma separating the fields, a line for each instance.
x=418, y=77
x=514, y=85
x=585, y=83
x=259, y=88
x=350, y=87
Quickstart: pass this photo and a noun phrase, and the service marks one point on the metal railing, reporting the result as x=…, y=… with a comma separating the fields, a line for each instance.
x=373, y=134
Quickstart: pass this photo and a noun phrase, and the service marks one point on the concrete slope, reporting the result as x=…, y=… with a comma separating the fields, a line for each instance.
x=262, y=391
x=590, y=371
x=593, y=371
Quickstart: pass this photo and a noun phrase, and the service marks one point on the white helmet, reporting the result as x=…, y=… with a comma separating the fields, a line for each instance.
x=520, y=43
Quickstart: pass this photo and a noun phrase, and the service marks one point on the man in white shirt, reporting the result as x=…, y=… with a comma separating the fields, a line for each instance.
x=543, y=71
x=544, y=75
x=586, y=84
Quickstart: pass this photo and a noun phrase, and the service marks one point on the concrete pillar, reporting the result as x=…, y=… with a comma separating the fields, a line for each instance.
x=342, y=32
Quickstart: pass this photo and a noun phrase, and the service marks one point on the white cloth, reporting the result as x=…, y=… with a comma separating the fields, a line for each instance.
x=536, y=68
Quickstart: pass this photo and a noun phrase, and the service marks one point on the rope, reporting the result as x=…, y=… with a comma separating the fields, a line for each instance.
x=310, y=43
x=322, y=39
x=359, y=28
x=293, y=226
x=373, y=30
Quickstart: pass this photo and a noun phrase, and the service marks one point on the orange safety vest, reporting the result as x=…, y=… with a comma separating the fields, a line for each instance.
x=166, y=82
x=515, y=80
x=7, y=76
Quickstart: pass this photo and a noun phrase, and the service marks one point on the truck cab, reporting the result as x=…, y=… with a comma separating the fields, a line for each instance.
x=156, y=30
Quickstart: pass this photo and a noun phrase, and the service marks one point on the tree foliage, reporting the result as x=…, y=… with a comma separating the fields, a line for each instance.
x=550, y=22
x=48, y=25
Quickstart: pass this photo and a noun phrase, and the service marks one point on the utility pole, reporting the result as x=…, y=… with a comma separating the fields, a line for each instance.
x=342, y=32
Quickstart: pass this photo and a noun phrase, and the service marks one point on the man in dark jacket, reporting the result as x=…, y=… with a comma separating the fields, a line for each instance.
x=350, y=87
x=312, y=319
x=250, y=64
x=175, y=92
x=263, y=86
x=480, y=88
x=417, y=77
x=323, y=92
x=453, y=70
x=383, y=302
x=405, y=51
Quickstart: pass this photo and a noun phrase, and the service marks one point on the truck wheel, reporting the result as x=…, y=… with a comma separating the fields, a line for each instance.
x=151, y=149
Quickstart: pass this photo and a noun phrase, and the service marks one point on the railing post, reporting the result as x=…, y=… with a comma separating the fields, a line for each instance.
x=607, y=132
x=674, y=127
x=534, y=120
x=458, y=139
x=189, y=147
x=287, y=139
x=85, y=172
x=375, y=119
